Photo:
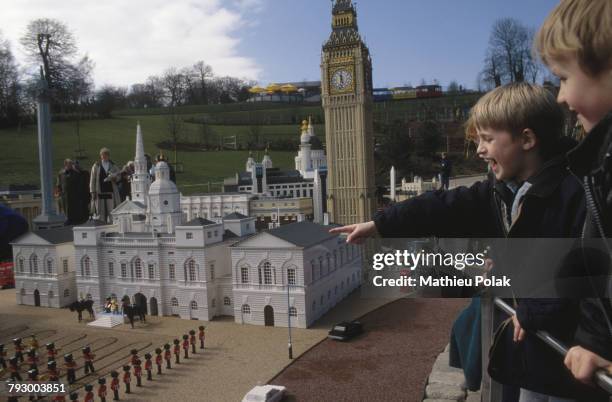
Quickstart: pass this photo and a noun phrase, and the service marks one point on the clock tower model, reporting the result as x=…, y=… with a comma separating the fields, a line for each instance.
x=346, y=93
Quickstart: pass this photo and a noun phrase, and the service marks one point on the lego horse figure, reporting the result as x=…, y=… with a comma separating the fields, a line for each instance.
x=81, y=305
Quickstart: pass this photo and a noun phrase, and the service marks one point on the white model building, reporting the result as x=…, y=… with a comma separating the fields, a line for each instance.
x=196, y=268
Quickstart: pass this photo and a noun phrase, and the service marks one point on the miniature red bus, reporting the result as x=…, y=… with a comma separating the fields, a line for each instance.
x=7, y=279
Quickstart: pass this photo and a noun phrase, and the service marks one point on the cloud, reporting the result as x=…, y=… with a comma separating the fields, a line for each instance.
x=131, y=40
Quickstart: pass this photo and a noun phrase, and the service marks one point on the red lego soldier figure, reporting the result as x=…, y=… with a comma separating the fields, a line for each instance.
x=167, y=355
x=177, y=351
x=52, y=371
x=115, y=384
x=88, y=356
x=2, y=356
x=14, y=369
x=32, y=359
x=74, y=396
x=59, y=398
x=127, y=378
x=138, y=372
x=89, y=395
x=51, y=351
x=201, y=335
x=70, y=368
x=33, y=342
x=192, y=341
x=33, y=376
x=148, y=366
x=158, y=360
x=133, y=356
x=102, y=389
x=18, y=349
x=186, y=346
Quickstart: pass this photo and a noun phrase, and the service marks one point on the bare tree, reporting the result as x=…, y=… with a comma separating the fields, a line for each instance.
x=174, y=86
x=10, y=88
x=174, y=124
x=204, y=72
x=509, y=56
x=49, y=41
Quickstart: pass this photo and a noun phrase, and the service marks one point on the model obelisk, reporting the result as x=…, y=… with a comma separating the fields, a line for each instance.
x=48, y=218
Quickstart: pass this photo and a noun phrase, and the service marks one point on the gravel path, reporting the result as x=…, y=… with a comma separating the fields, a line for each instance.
x=389, y=362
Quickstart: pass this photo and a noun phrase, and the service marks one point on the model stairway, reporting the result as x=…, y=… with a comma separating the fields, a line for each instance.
x=107, y=320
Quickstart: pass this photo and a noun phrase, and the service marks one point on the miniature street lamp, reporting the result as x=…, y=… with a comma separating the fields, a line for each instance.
x=289, y=319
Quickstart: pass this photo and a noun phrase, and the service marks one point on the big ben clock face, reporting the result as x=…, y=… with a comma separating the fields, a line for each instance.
x=342, y=80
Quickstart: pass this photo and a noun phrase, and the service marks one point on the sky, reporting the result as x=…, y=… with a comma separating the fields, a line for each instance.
x=273, y=40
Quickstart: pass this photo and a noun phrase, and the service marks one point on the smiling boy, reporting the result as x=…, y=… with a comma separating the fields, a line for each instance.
x=575, y=41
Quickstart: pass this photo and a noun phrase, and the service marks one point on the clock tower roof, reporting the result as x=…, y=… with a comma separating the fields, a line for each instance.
x=344, y=25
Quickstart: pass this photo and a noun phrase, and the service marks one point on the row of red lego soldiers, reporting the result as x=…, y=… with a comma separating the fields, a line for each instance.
x=54, y=373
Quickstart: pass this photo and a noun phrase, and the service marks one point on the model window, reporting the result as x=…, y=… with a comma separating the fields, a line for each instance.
x=227, y=301
x=66, y=292
x=213, y=303
x=174, y=302
x=291, y=276
x=151, y=271
x=20, y=264
x=312, y=266
x=212, y=272
x=193, y=305
x=244, y=274
x=292, y=312
x=85, y=266
x=246, y=309
x=34, y=264
x=189, y=235
x=172, y=271
x=138, y=268
x=123, y=270
x=111, y=269
x=50, y=294
x=49, y=266
x=208, y=234
x=83, y=235
x=216, y=233
x=267, y=273
x=191, y=266
x=320, y=267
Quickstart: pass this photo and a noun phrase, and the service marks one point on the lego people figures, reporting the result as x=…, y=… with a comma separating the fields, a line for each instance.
x=70, y=368
x=115, y=385
x=138, y=372
x=102, y=389
x=89, y=395
x=74, y=396
x=2, y=356
x=52, y=371
x=88, y=356
x=18, y=349
x=103, y=186
x=201, y=335
x=33, y=376
x=114, y=306
x=127, y=378
x=148, y=365
x=192, y=340
x=167, y=355
x=134, y=356
x=32, y=359
x=186, y=346
x=51, y=351
x=33, y=342
x=177, y=351
x=14, y=368
x=158, y=360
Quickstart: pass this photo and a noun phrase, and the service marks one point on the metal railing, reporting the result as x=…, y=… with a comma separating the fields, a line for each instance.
x=601, y=376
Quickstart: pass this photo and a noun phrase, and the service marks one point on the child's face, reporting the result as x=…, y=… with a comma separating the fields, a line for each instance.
x=590, y=97
x=503, y=152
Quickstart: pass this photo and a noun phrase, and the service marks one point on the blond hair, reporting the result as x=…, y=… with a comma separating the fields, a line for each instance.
x=580, y=29
x=516, y=107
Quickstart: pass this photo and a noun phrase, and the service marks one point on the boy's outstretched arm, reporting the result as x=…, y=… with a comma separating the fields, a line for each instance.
x=357, y=233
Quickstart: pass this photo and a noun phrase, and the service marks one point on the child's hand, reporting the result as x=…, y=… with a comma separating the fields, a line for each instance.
x=583, y=364
x=358, y=232
x=519, y=332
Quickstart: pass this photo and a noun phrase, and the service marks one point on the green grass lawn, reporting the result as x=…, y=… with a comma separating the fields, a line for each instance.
x=20, y=164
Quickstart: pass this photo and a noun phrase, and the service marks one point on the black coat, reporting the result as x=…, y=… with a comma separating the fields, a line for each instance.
x=591, y=162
